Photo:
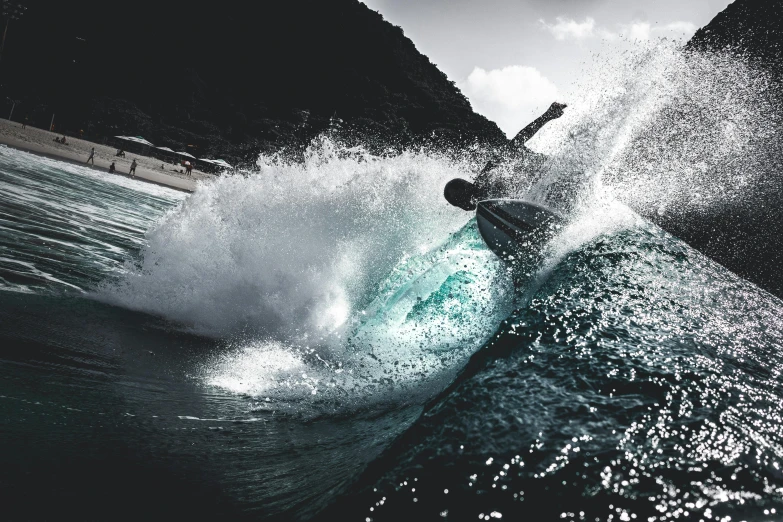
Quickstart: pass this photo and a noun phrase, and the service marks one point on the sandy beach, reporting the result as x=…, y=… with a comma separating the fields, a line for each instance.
x=39, y=141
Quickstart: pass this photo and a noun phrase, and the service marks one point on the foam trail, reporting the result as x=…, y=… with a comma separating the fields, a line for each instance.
x=293, y=249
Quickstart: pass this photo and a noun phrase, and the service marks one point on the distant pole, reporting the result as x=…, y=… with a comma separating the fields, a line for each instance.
x=13, y=106
x=12, y=10
x=51, y=125
x=5, y=32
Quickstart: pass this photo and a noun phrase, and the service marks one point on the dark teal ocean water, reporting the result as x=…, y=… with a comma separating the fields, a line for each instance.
x=298, y=343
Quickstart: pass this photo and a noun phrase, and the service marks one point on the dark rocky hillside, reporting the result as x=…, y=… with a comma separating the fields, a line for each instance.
x=751, y=29
x=745, y=235
x=230, y=78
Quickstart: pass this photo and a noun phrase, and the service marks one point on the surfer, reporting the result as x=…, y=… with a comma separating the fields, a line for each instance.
x=464, y=194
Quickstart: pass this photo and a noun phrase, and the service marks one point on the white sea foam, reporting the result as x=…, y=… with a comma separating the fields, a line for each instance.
x=292, y=250
x=345, y=269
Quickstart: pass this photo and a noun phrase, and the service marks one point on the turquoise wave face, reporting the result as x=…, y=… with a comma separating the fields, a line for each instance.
x=443, y=300
x=640, y=382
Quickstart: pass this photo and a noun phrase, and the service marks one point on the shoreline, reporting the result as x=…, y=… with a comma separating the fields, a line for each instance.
x=41, y=143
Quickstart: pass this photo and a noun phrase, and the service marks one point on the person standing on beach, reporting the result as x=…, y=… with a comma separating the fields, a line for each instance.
x=92, y=155
x=112, y=168
x=132, y=170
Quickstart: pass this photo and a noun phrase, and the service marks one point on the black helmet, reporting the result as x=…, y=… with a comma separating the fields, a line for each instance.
x=461, y=193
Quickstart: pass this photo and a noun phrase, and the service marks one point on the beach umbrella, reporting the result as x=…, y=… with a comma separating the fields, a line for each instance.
x=222, y=163
x=136, y=139
x=186, y=154
x=218, y=163
x=139, y=139
x=166, y=153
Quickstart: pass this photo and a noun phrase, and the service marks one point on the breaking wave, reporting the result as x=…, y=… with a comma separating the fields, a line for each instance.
x=350, y=268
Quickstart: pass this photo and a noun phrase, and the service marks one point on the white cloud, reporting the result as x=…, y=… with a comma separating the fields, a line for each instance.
x=566, y=28
x=569, y=29
x=512, y=96
x=637, y=31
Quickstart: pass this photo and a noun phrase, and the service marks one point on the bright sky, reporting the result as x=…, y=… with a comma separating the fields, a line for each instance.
x=512, y=58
